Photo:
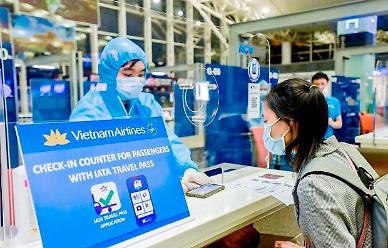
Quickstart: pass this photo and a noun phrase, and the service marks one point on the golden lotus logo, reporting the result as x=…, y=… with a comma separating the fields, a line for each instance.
x=55, y=138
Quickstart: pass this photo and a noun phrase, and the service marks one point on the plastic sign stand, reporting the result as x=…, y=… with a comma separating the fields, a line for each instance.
x=254, y=70
x=98, y=183
x=253, y=110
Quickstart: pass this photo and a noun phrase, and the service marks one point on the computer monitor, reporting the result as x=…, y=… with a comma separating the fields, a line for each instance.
x=50, y=100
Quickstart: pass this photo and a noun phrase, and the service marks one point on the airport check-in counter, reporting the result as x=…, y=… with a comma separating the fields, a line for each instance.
x=379, y=140
x=219, y=215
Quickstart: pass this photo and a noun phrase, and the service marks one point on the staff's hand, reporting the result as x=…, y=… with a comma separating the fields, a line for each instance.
x=193, y=179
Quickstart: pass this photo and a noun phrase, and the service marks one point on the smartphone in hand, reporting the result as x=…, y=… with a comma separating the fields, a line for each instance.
x=205, y=190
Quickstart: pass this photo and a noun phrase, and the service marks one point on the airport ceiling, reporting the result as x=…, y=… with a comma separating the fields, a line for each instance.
x=282, y=7
x=244, y=10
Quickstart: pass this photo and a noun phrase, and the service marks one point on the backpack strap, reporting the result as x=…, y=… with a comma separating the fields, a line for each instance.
x=326, y=166
x=364, y=170
x=362, y=237
x=358, y=159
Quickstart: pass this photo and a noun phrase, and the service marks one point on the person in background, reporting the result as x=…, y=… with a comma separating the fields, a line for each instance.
x=321, y=80
x=118, y=94
x=93, y=77
x=328, y=211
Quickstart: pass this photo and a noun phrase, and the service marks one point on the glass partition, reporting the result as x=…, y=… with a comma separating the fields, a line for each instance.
x=41, y=70
x=380, y=101
x=242, y=88
x=8, y=117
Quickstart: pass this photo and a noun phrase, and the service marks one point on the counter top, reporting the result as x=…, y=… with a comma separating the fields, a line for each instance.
x=381, y=139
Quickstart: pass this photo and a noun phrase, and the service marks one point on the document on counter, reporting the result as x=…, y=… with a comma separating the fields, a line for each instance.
x=269, y=184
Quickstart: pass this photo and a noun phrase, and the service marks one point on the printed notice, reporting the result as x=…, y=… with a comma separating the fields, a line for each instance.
x=279, y=187
x=101, y=182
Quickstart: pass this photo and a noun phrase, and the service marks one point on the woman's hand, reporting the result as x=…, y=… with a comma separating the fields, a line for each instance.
x=286, y=244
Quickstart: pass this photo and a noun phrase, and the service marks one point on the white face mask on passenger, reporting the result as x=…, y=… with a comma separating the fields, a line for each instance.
x=274, y=146
x=130, y=87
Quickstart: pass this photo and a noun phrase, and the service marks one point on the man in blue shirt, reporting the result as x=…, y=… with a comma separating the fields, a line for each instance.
x=321, y=80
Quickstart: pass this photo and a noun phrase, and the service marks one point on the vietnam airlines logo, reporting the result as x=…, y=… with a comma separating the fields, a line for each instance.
x=151, y=129
x=55, y=138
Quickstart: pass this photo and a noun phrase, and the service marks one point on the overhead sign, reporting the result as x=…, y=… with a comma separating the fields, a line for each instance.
x=38, y=34
x=98, y=183
x=246, y=49
x=254, y=70
x=85, y=11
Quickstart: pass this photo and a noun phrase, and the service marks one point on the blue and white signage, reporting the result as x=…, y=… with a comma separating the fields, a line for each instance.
x=254, y=70
x=253, y=110
x=97, y=183
x=246, y=49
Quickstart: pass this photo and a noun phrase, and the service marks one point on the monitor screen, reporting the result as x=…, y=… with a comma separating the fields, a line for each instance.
x=50, y=100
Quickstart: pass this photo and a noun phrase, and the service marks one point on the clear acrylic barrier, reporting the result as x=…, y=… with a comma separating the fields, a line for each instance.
x=380, y=101
x=204, y=94
x=8, y=111
x=262, y=52
x=244, y=82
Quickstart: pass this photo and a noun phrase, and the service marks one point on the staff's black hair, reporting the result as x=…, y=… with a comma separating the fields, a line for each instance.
x=131, y=63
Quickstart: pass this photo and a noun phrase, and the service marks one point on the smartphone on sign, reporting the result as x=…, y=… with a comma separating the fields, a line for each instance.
x=205, y=190
x=143, y=206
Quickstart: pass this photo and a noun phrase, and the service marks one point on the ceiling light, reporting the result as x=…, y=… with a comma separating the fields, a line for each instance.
x=80, y=36
x=68, y=23
x=19, y=32
x=57, y=18
x=40, y=13
x=56, y=43
x=159, y=73
x=44, y=67
x=180, y=13
x=29, y=54
x=198, y=23
x=156, y=1
x=26, y=6
x=265, y=10
x=102, y=42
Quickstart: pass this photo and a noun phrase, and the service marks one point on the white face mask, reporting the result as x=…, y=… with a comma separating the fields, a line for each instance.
x=130, y=87
x=274, y=146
